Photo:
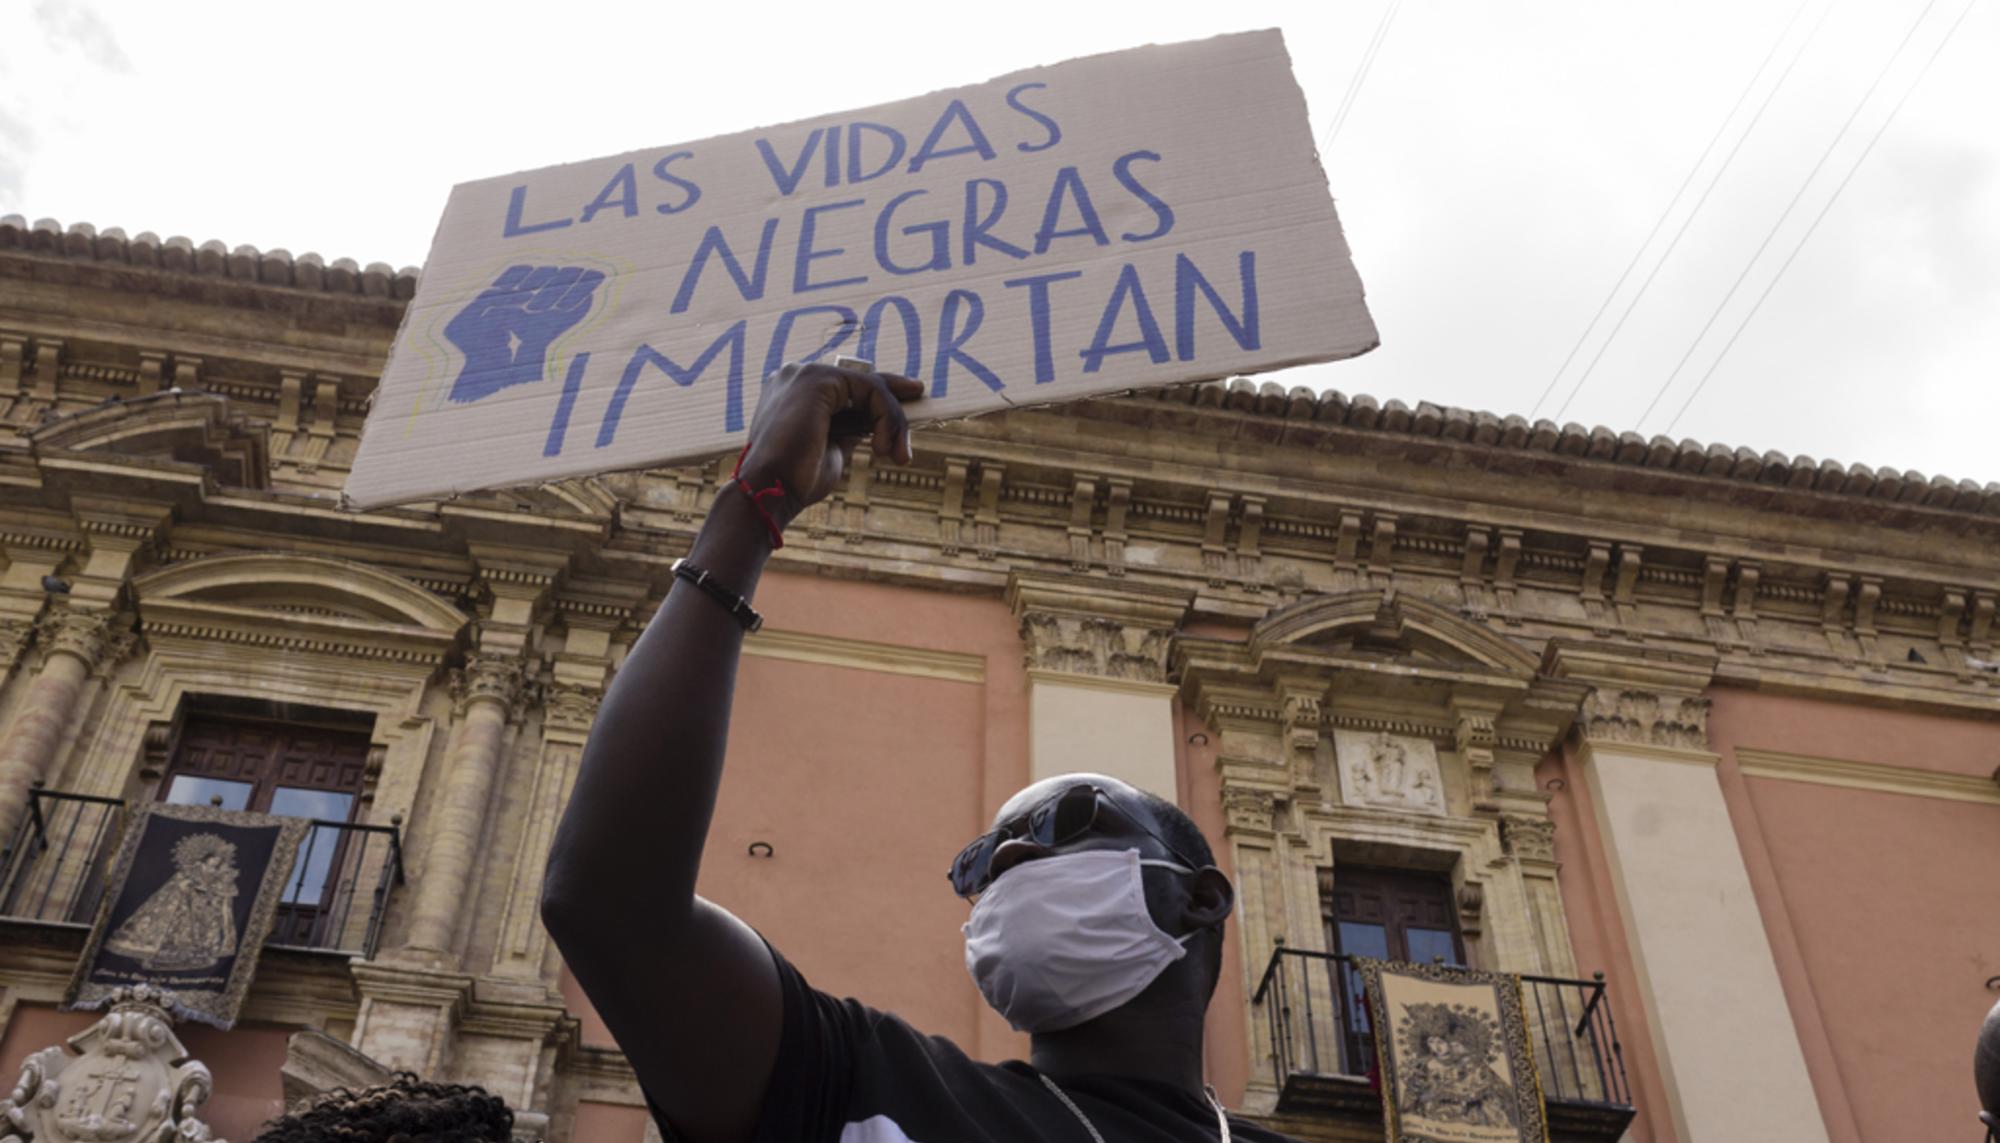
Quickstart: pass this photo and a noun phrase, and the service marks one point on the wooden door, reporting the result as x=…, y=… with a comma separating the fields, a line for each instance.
x=291, y=770
x=1388, y=914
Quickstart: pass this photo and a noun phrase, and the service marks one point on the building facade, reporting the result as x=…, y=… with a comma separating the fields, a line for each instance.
x=1702, y=741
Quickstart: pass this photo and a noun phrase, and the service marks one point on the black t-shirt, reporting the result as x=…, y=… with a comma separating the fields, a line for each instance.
x=846, y=1073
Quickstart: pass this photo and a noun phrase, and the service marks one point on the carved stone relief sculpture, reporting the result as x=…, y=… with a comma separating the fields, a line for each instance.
x=125, y=1079
x=1385, y=771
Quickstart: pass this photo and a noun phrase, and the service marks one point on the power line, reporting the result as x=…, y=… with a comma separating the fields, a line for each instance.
x=1360, y=74
x=1674, y=243
x=1671, y=204
x=1807, y=236
x=1787, y=213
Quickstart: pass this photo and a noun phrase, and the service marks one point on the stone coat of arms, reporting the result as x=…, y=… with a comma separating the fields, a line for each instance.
x=125, y=1079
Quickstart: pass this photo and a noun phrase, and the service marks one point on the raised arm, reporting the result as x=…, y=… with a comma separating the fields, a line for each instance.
x=689, y=991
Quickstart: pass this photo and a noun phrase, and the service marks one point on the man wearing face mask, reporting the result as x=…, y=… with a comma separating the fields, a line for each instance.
x=1097, y=918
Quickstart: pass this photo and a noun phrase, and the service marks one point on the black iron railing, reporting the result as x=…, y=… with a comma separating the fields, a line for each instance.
x=1310, y=1005
x=55, y=869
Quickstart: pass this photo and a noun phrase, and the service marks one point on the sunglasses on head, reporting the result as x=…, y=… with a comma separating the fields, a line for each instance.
x=1058, y=819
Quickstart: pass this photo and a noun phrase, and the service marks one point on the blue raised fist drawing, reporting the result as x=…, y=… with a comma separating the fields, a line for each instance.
x=506, y=332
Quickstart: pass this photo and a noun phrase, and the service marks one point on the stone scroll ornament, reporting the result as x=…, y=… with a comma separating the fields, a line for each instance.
x=124, y=1079
x=190, y=901
x=1454, y=1053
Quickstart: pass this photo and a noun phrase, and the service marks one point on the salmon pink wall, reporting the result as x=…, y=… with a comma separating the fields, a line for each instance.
x=1879, y=905
x=1598, y=939
x=865, y=783
x=244, y=1061
x=609, y=1123
x=1226, y=1042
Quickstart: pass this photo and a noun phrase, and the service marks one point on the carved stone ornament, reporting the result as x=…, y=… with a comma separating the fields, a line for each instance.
x=1248, y=810
x=1529, y=838
x=1384, y=771
x=128, y=1081
x=571, y=708
x=496, y=678
x=1090, y=645
x=1302, y=721
x=85, y=634
x=1471, y=898
x=14, y=636
x=1646, y=719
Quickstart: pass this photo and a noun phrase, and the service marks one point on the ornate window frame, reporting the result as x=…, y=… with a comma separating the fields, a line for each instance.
x=1386, y=664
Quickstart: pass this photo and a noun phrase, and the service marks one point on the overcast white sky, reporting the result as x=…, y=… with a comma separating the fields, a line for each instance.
x=1498, y=168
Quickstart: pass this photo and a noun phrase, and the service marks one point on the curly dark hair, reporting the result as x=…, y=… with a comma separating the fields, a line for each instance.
x=404, y=1110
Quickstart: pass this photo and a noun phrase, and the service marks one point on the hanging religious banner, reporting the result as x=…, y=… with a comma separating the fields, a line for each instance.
x=1456, y=1061
x=192, y=897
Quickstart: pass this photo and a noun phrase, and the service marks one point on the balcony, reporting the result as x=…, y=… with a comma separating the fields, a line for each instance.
x=1323, y=1049
x=53, y=874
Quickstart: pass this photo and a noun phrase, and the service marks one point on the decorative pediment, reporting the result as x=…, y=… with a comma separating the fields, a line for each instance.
x=186, y=428
x=297, y=602
x=1386, y=624
x=584, y=497
x=1365, y=634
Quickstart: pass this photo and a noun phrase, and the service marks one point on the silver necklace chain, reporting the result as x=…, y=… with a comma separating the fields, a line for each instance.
x=1221, y=1117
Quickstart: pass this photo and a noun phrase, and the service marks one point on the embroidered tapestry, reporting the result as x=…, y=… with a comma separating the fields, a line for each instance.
x=1456, y=1061
x=191, y=898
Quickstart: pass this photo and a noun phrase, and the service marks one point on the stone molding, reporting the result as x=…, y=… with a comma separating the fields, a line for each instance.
x=862, y=655
x=1640, y=696
x=1072, y=625
x=1645, y=718
x=336, y=607
x=1747, y=607
x=1873, y=777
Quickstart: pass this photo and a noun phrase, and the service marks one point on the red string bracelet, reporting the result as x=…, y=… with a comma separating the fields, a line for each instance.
x=757, y=498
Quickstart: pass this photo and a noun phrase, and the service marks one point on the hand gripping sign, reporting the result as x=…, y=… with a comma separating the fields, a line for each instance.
x=1127, y=220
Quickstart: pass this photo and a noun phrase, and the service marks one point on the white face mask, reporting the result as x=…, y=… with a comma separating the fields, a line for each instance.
x=1064, y=939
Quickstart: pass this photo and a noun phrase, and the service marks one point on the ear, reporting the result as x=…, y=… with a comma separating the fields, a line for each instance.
x=1210, y=898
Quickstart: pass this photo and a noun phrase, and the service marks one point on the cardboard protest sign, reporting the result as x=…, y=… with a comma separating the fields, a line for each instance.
x=1126, y=220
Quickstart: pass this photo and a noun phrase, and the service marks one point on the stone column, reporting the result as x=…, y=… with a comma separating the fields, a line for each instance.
x=568, y=711
x=74, y=643
x=1098, y=699
x=489, y=688
x=1715, y=1005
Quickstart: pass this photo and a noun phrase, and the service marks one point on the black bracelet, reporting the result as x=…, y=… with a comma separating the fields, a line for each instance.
x=739, y=607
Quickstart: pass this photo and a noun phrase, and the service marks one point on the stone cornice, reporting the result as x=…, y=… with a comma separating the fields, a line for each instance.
x=402, y=984
x=1650, y=668
x=1298, y=416
x=1230, y=513
x=1136, y=602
